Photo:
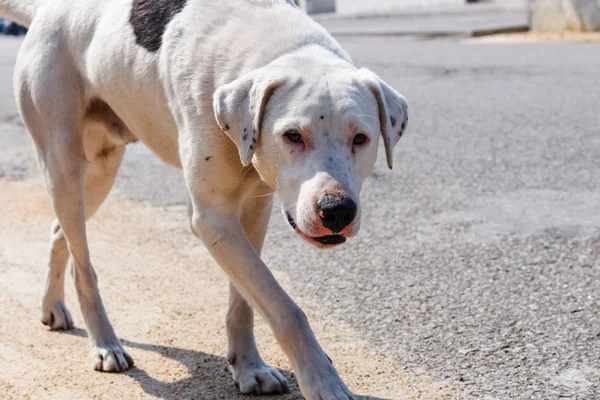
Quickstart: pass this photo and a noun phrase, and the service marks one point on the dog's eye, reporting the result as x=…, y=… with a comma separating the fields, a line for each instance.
x=359, y=139
x=293, y=136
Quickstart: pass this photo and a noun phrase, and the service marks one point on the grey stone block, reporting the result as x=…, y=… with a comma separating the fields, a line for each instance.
x=565, y=15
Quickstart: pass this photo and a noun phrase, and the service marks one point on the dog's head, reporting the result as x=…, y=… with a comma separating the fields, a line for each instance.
x=312, y=134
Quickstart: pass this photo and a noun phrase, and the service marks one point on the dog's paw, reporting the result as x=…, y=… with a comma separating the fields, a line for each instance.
x=330, y=391
x=320, y=381
x=57, y=317
x=258, y=378
x=111, y=358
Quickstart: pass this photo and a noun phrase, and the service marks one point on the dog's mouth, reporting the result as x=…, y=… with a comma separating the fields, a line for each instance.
x=321, y=241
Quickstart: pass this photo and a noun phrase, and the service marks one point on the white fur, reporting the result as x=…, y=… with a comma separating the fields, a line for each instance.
x=246, y=67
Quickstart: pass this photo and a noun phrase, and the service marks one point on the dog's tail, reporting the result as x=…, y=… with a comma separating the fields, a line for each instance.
x=20, y=11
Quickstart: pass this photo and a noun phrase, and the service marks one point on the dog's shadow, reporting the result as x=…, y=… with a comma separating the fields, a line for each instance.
x=207, y=379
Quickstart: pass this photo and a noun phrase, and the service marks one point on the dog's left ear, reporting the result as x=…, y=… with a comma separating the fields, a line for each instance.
x=240, y=105
x=393, y=112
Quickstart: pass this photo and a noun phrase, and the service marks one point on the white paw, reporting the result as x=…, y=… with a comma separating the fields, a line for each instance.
x=322, y=382
x=329, y=389
x=57, y=317
x=258, y=378
x=111, y=358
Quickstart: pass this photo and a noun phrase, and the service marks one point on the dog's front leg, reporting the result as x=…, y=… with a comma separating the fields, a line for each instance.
x=220, y=229
x=250, y=373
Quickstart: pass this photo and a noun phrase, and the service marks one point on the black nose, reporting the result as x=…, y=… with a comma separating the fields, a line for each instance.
x=336, y=213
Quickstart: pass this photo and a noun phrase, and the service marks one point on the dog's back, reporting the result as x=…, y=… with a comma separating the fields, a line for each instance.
x=20, y=11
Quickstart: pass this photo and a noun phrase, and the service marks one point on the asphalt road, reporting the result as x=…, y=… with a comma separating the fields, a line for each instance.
x=479, y=256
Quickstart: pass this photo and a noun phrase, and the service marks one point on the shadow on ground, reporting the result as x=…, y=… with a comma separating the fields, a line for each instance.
x=208, y=377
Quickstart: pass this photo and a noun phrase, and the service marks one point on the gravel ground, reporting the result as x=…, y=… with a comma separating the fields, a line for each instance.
x=477, y=264
x=167, y=301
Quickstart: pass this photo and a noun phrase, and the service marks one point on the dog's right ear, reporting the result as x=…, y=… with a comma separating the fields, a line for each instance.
x=393, y=112
x=240, y=105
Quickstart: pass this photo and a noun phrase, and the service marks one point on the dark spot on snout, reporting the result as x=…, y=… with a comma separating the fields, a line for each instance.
x=336, y=213
x=322, y=117
x=149, y=19
x=393, y=121
x=251, y=147
x=245, y=137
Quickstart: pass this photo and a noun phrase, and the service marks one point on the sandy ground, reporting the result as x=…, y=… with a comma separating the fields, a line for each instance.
x=167, y=302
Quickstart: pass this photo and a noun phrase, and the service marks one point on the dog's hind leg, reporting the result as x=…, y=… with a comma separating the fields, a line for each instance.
x=250, y=373
x=55, y=313
x=67, y=184
x=99, y=178
x=51, y=97
x=104, y=158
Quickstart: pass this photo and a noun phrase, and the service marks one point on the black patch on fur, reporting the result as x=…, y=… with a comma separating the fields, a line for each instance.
x=149, y=18
x=226, y=127
x=207, y=158
x=393, y=121
x=253, y=140
x=245, y=137
x=322, y=117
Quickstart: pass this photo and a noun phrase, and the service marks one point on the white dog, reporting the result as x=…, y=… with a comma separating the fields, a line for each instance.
x=248, y=97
